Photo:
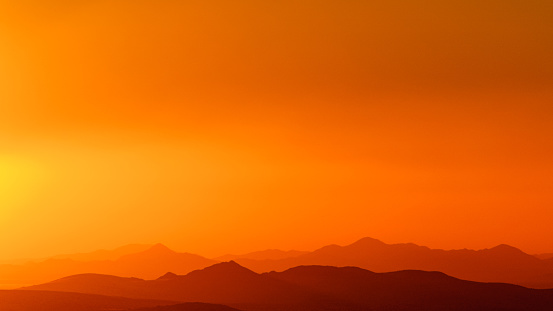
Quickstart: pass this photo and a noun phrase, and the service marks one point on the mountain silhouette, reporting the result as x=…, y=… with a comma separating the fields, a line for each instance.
x=502, y=263
x=20, y=300
x=190, y=306
x=168, y=276
x=415, y=290
x=148, y=264
x=269, y=254
x=225, y=283
x=316, y=288
x=157, y=260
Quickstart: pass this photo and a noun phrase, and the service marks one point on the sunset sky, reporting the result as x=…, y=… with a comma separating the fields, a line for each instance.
x=230, y=126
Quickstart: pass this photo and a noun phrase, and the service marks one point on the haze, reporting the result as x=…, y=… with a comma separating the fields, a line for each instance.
x=232, y=126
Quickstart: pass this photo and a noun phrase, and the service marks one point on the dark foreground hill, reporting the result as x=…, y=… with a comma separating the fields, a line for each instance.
x=315, y=288
x=19, y=300
x=189, y=306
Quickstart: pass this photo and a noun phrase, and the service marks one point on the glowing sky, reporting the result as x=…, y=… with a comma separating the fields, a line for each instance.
x=230, y=126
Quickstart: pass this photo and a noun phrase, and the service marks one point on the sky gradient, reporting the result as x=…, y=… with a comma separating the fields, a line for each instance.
x=229, y=126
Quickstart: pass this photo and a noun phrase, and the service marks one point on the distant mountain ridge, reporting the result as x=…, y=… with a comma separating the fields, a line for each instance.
x=150, y=263
x=315, y=288
x=502, y=263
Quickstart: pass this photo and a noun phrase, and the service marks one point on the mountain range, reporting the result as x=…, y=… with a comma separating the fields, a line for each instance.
x=502, y=263
x=312, y=288
x=149, y=264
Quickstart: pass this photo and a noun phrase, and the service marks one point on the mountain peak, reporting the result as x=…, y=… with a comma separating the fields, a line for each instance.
x=506, y=249
x=168, y=276
x=228, y=268
x=159, y=249
x=367, y=241
x=228, y=265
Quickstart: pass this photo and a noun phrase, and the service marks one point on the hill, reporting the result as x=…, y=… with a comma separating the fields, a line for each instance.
x=502, y=263
x=190, y=306
x=316, y=288
x=20, y=300
x=149, y=264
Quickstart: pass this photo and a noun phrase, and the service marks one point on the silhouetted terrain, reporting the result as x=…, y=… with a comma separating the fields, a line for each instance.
x=269, y=254
x=502, y=263
x=148, y=264
x=315, y=288
x=19, y=300
x=223, y=283
x=190, y=306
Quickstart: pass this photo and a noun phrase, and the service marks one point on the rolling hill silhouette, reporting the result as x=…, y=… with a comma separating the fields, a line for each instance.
x=149, y=264
x=502, y=263
x=19, y=300
x=315, y=288
x=222, y=283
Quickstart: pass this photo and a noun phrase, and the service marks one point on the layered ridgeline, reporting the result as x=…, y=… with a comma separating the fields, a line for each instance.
x=312, y=288
x=149, y=262
x=502, y=263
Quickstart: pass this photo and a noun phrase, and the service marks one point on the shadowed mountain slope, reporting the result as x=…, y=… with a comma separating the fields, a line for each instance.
x=502, y=263
x=19, y=300
x=317, y=288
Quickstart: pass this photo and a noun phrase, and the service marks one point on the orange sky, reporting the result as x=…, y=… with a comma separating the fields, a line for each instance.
x=230, y=126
